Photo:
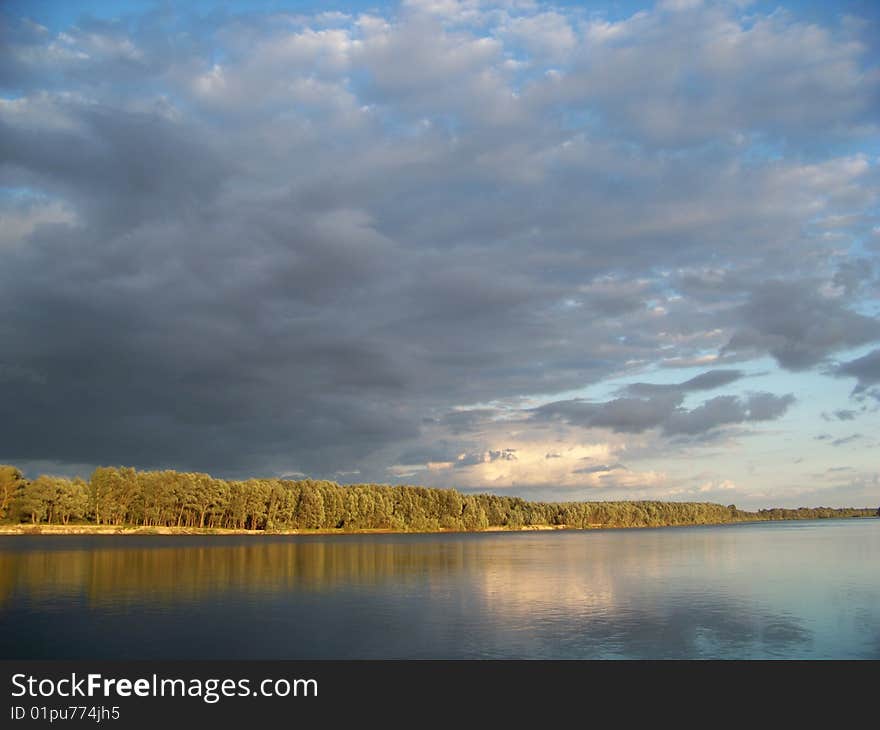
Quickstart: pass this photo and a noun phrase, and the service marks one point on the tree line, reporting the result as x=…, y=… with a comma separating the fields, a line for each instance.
x=124, y=496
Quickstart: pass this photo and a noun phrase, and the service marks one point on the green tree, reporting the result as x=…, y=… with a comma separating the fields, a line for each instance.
x=310, y=510
x=34, y=501
x=11, y=480
x=71, y=500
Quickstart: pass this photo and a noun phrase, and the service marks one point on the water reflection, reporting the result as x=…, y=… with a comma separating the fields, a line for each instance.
x=732, y=592
x=119, y=574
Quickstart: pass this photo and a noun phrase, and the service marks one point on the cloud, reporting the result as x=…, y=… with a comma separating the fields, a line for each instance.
x=261, y=243
x=730, y=77
x=665, y=411
x=486, y=457
x=704, y=381
x=117, y=169
x=846, y=439
x=865, y=369
x=599, y=469
x=578, y=467
x=546, y=35
x=724, y=410
x=20, y=218
x=841, y=415
x=798, y=326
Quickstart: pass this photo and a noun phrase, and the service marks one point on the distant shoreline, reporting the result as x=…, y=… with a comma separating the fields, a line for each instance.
x=110, y=530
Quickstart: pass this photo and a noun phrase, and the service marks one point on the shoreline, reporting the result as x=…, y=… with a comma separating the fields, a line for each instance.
x=221, y=531
x=110, y=530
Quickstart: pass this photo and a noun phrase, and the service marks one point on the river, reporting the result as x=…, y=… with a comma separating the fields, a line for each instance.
x=808, y=589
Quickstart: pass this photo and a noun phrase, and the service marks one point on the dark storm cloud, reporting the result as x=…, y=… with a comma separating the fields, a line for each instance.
x=123, y=168
x=665, y=411
x=265, y=244
x=439, y=452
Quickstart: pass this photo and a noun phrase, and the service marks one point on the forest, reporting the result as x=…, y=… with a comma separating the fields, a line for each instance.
x=126, y=497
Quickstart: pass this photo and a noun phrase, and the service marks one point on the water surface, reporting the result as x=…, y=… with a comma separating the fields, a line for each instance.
x=770, y=590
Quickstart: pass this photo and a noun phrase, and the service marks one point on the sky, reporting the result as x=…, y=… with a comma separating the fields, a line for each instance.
x=619, y=250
